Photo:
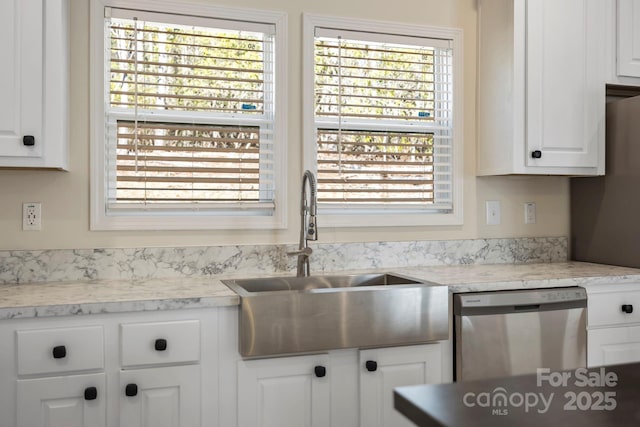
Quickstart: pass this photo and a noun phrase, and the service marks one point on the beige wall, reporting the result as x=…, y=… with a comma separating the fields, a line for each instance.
x=65, y=196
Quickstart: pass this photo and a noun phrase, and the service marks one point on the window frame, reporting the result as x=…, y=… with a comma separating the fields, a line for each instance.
x=381, y=216
x=190, y=218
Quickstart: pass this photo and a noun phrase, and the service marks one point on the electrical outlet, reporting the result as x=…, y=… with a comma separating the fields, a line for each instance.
x=529, y=213
x=31, y=216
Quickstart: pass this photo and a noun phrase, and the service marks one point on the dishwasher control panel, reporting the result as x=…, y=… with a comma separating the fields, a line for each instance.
x=573, y=295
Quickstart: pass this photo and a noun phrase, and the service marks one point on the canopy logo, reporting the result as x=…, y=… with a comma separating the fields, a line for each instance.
x=499, y=400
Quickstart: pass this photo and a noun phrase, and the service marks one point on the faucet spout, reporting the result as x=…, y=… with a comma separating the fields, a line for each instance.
x=308, y=224
x=310, y=208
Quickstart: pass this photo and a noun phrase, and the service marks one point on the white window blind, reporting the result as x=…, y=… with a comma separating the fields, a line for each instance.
x=383, y=120
x=189, y=112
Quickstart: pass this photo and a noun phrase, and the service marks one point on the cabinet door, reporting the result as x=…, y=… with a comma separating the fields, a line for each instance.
x=284, y=392
x=21, y=31
x=381, y=370
x=160, y=397
x=565, y=72
x=613, y=346
x=34, y=83
x=628, y=38
x=62, y=401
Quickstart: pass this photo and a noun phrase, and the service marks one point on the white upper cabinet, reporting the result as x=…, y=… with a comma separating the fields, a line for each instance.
x=541, y=87
x=628, y=38
x=33, y=84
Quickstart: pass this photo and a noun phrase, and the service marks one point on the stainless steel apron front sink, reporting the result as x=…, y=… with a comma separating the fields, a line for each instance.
x=285, y=315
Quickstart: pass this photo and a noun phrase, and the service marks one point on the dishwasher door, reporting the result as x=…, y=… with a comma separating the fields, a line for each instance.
x=515, y=332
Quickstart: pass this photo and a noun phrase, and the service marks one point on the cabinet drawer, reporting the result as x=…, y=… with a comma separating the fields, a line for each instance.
x=43, y=351
x=607, y=308
x=160, y=342
x=613, y=346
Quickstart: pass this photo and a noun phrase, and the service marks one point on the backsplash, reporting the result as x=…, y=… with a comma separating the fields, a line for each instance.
x=142, y=263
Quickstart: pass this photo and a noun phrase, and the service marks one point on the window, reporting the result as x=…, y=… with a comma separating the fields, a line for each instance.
x=188, y=131
x=382, y=127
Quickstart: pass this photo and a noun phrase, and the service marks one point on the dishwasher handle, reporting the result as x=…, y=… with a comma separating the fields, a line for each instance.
x=527, y=307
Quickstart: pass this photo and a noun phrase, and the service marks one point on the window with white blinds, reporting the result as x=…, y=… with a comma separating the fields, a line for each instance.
x=189, y=113
x=383, y=121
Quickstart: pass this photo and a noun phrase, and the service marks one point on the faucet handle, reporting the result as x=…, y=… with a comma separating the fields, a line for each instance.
x=312, y=229
x=304, y=251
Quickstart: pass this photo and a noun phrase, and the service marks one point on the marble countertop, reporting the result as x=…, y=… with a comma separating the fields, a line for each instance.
x=91, y=297
x=113, y=296
x=491, y=277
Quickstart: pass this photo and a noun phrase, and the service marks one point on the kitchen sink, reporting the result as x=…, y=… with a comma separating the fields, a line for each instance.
x=312, y=283
x=285, y=315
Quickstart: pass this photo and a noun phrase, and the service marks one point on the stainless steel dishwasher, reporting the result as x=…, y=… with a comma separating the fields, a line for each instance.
x=515, y=332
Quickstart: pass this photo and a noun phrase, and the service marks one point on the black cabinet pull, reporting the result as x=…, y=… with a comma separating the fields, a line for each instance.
x=28, y=140
x=131, y=390
x=90, y=393
x=320, y=371
x=59, y=352
x=160, y=344
x=627, y=308
x=371, y=365
x=537, y=154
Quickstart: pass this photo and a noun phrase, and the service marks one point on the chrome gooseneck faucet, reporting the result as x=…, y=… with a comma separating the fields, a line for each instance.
x=308, y=225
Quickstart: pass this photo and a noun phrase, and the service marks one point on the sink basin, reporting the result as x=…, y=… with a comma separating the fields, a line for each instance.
x=312, y=283
x=284, y=315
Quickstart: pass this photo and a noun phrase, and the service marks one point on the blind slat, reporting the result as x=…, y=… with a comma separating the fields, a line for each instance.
x=187, y=76
x=175, y=65
x=127, y=178
x=143, y=149
x=378, y=200
x=184, y=159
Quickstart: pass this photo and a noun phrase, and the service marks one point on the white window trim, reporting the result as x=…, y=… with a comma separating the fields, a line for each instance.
x=373, y=218
x=194, y=220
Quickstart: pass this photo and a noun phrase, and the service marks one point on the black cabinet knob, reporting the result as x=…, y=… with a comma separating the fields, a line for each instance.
x=59, y=352
x=320, y=371
x=536, y=154
x=160, y=344
x=90, y=393
x=371, y=365
x=131, y=390
x=28, y=140
x=627, y=308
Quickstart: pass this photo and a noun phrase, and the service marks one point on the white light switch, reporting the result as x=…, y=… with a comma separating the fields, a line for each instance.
x=529, y=213
x=493, y=212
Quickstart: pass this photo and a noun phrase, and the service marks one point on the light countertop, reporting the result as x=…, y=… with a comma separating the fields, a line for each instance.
x=68, y=298
x=113, y=296
x=491, y=277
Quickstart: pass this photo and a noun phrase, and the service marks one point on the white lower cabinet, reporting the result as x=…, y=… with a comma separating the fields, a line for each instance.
x=160, y=397
x=69, y=401
x=613, y=346
x=155, y=369
x=181, y=368
x=340, y=389
x=613, y=324
x=284, y=392
x=384, y=369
